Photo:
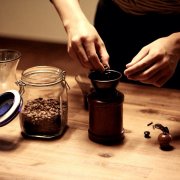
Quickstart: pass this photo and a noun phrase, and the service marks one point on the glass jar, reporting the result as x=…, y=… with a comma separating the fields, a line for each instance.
x=9, y=60
x=45, y=102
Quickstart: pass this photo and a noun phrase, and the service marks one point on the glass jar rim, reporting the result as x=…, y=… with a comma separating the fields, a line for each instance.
x=17, y=53
x=42, y=76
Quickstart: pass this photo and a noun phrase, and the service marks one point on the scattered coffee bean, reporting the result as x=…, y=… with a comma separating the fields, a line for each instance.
x=149, y=123
x=146, y=134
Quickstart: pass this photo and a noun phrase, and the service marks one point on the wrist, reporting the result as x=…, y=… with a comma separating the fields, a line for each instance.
x=175, y=37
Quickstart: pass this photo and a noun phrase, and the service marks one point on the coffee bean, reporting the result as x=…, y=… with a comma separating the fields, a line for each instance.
x=41, y=117
x=146, y=134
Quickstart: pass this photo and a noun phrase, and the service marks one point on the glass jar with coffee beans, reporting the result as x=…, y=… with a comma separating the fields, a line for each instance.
x=45, y=102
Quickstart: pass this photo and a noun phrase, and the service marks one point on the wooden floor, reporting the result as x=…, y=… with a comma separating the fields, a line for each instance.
x=36, y=53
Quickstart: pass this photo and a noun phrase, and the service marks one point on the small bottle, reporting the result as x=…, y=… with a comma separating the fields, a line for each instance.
x=45, y=102
x=106, y=108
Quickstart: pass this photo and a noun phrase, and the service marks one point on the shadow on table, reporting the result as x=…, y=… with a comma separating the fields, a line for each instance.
x=9, y=144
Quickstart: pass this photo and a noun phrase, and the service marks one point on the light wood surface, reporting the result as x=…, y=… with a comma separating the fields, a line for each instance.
x=74, y=156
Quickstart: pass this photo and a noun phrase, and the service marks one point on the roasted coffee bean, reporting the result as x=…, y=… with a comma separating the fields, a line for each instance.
x=146, y=134
x=41, y=116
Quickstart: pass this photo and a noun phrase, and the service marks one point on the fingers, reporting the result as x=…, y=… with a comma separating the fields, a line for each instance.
x=76, y=51
x=90, y=53
x=143, y=53
x=158, y=79
x=161, y=81
x=155, y=75
x=144, y=73
x=154, y=64
x=74, y=56
x=139, y=66
x=103, y=54
x=150, y=70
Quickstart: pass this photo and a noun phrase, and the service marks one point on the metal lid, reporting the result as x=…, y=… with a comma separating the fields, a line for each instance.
x=10, y=106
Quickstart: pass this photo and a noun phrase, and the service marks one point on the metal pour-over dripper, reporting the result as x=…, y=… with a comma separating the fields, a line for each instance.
x=106, y=80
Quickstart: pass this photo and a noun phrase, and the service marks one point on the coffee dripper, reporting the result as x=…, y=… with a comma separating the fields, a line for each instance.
x=105, y=108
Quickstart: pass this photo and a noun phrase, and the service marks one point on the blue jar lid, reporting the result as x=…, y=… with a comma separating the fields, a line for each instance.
x=10, y=106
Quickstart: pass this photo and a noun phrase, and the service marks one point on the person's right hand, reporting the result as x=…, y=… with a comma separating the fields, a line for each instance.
x=86, y=46
x=156, y=62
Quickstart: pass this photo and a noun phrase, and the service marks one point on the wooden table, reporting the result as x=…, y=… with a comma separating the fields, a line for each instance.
x=74, y=156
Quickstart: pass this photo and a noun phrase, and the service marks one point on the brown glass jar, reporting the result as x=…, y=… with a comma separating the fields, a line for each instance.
x=106, y=109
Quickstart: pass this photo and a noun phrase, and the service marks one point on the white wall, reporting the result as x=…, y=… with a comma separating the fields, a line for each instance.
x=36, y=19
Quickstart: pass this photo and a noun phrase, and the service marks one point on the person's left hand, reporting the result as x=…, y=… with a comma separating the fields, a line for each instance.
x=155, y=63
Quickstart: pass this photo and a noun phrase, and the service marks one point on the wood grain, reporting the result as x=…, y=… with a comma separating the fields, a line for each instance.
x=74, y=156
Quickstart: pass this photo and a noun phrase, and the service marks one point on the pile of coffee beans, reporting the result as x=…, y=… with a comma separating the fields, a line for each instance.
x=41, y=117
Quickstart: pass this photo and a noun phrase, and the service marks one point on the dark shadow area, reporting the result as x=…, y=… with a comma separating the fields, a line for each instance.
x=167, y=148
x=10, y=144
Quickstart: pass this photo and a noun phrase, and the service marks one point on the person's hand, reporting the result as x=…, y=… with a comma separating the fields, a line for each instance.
x=84, y=42
x=155, y=63
x=85, y=45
